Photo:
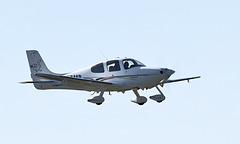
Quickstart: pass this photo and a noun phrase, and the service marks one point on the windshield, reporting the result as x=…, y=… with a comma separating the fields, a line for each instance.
x=139, y=63
x=129, y=63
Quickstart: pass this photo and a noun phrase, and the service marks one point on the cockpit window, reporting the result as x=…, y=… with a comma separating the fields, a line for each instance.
x=98, y=68
x=129, y=63
x=113, y=65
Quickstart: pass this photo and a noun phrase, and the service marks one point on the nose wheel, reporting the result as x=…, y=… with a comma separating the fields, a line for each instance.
x=159, y=97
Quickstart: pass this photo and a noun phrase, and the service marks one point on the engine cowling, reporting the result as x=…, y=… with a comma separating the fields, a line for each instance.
x=139, y=100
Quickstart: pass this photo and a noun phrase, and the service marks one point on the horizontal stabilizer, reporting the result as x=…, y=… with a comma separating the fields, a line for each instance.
x=26, y=82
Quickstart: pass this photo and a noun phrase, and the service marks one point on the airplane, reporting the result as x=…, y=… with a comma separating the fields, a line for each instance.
x=114, y=75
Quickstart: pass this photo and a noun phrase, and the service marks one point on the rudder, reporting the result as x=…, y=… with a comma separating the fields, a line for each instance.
x=36, y=62
x=38, y=66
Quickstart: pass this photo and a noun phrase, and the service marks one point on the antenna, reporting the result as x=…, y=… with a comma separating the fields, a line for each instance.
x=103, y=55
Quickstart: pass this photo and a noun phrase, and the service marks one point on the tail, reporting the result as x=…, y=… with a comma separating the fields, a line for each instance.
x=37, y=65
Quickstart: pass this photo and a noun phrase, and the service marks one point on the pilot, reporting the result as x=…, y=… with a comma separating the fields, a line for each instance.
x=126, y=65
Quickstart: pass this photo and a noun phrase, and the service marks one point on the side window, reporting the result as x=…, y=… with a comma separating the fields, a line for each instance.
x=98, y=68
x=113, y=65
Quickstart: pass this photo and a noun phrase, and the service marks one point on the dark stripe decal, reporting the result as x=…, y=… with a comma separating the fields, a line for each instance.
x=112, y=77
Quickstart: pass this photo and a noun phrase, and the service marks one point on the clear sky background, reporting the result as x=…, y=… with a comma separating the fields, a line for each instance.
x=192, y=37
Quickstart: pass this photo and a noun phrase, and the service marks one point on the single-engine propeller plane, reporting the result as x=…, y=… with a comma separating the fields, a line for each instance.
x=118, y=75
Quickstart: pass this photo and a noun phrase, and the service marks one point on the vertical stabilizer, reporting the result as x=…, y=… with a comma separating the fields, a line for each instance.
x=36, y=63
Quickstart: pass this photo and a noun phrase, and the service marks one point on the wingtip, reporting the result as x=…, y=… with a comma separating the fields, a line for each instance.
x=22, y=82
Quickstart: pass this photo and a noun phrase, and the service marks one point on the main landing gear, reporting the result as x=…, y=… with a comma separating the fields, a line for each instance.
x=139, y=99
x=142, y=100
x=98, y=100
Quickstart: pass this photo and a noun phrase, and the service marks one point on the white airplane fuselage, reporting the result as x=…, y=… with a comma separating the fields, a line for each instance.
x=139, y=77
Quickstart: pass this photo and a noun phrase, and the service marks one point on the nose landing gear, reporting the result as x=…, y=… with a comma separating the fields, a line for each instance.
x=159, y=97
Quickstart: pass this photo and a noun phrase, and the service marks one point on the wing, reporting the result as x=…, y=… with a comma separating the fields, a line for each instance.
x=183, y=79
x=80, y=83
x=65, y=82
x=70, y=79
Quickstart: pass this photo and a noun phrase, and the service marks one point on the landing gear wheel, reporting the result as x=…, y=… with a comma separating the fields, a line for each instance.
x=140, y=100
x=140, y=103
x=98, y=100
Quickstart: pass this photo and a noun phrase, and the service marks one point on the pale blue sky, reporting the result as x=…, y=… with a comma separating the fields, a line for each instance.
x=191, y=37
